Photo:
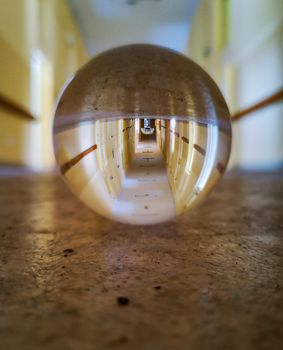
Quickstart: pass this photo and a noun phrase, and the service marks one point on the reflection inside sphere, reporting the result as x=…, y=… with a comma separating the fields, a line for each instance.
x=142, y=170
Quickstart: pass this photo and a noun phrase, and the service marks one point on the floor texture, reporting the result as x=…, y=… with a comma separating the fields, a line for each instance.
x=211, y=279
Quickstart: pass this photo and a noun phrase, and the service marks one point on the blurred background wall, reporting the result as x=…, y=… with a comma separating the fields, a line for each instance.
x=43, y=42
x=40, y=48
x=240, y=43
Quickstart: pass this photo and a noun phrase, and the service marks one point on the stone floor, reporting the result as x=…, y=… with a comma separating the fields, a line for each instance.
x=212, y=279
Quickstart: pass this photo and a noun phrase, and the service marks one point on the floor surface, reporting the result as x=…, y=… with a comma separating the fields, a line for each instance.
x=211, y=279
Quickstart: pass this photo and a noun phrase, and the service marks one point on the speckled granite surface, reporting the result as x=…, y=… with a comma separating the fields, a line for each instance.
x=209, y=280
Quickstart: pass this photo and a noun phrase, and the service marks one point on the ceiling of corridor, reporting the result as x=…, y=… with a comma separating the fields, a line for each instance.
x=109, y=23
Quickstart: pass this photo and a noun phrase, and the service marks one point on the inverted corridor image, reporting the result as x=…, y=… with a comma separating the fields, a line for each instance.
x=141, y=170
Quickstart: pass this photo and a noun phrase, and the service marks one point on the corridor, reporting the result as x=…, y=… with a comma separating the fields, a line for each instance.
x=119, y=115
x=145, y=196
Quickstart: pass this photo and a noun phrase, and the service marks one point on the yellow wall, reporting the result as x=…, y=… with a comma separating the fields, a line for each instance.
x=32, y=30
x=191, y=172
x=239, y=43
x=98, y=176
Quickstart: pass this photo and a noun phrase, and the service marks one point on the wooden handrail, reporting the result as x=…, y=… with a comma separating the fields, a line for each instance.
x=277, y=96
x=13, y=107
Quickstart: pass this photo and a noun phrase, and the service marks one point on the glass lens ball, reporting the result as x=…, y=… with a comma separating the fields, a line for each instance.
x=141, y=134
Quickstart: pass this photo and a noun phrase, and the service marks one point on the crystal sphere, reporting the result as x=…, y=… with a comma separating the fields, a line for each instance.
x=141, y=134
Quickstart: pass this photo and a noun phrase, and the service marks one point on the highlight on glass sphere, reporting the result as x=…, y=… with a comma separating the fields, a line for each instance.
x=141, y=134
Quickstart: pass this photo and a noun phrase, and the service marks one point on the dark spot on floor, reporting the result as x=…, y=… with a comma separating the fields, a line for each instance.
x=123, y=301
x=68, y=251
x=122, y=340
x=157, y=287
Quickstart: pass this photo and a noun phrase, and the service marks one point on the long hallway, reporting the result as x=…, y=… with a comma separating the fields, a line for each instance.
x=145, y=196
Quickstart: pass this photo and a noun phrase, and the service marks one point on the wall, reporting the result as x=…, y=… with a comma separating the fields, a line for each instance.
x=194, y=157
x=98, y=176
x=259, y=73
x=40, y=48
x=240, y=44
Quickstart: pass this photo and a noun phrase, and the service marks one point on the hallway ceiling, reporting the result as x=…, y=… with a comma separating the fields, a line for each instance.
x=109, y=23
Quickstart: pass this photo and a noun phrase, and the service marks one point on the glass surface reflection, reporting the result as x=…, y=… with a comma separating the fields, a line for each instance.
x=142, y=170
